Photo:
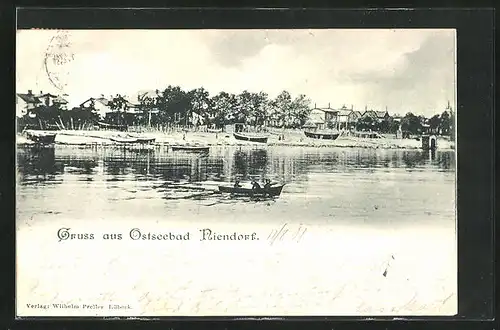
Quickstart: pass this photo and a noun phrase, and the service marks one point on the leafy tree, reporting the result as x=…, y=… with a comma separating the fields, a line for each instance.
x=223, y=105
x=174, y=105
x=258, y=106
x=445, y=125
x=411, y=123
x=282, y=109
x=200, y=104
x=300, y=110
x=118, y=104
x=434, y=123
x=366, y=123
x=243, y=107
x=147, y=104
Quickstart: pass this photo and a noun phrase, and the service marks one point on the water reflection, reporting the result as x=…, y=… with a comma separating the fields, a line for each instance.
x=225, y=164
x=322, y=183
x=35, y=164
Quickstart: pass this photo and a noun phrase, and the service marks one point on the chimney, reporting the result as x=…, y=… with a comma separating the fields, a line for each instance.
x=41, y=93
x=30, y=92
x=352, y=107
x=328, y=105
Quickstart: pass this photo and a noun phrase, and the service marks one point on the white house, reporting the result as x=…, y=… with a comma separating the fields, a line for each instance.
x=28, y=101
x=100, y=104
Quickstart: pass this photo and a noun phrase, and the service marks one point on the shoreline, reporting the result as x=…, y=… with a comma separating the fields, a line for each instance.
x=291, y=139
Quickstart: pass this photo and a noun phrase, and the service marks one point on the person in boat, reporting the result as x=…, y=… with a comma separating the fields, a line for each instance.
x=255, y=185
x=237, y=184
x=267, y=186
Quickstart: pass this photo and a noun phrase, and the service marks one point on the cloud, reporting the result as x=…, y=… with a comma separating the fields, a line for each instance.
x=410, y=70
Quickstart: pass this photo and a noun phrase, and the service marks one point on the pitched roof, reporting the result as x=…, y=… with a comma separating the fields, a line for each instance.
x=45, y=95
x=344, y=112
x=130, y=104
x=102, y=100
x=378, y=114
x=326, y=109
x=60, y=100
x=144, y=93
x=29, y=98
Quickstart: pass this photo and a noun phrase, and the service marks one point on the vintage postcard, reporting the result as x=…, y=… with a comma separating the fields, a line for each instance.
x=236, y=172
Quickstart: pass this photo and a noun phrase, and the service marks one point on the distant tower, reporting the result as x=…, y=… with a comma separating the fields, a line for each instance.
x=448, y=107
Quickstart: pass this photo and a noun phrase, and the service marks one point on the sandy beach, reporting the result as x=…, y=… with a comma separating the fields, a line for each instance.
x=291, y=139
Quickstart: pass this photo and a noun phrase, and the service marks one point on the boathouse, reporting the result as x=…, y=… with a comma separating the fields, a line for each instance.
x=429, y=142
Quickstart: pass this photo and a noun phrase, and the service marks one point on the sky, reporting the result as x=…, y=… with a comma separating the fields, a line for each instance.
x=398, y=69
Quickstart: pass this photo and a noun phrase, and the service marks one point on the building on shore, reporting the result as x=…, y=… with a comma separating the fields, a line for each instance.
x=378, y=116
x=340, y=119
x=29, y=101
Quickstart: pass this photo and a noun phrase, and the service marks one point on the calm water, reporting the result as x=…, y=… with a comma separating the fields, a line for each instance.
x=323, y=185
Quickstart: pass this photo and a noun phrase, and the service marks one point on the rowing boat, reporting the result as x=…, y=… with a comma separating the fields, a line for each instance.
x=262, y=192
x=142, y=139
x=191, y=148
x=322, y=135
x=250, y=137
x=120, y=139
x=40, y=136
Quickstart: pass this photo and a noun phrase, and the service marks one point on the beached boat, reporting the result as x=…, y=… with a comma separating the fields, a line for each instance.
x=41, y=137
x=191, y=148
x=142, y=139
x=262, y=192
x=112, y=126
x=366, y=135
x=214, y=130
x=323, y=135
x=121, y=139
x=250, y=137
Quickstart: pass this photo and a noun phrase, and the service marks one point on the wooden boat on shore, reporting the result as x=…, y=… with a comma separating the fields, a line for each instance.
x=142, y=139
x=112, y=126
x=214, y=130
x=121, y=139
x=250, y=137
x=262, y=192
x=366, y=135
x=41, y=137
x=322, y=135
x=191, y=148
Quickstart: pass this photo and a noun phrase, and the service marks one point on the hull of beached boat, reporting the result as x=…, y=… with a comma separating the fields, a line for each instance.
x=240, y=191
x=142, y=139
x=251, y=138
x=41, y=137
x=191, y=148
x=322, y=135
x=119, y=139
x=112, y=126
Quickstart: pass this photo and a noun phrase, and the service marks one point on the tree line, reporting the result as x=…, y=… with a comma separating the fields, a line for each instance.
x=196, y=107
x=441, y=124
x=175, y=106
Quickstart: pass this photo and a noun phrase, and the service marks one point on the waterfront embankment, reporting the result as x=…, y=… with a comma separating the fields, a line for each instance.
x=290, y=138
